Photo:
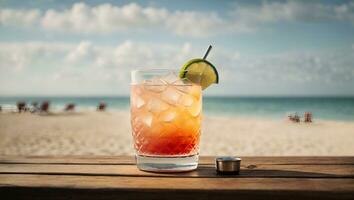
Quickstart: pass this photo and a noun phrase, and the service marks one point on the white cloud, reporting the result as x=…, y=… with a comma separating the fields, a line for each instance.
x=104, y=18
x=128, y=55
x=107, y=18
x=297, y=68
x=93, y=66
x=191, y=23
x=83, y=51
x=269, y=12
x=16, y=56
x=66, y=57
x=14, y=17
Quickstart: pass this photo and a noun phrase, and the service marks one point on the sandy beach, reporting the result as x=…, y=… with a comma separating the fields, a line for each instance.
x=108, y=133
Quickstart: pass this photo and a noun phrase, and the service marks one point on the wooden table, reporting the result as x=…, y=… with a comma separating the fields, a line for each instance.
x=104, y=177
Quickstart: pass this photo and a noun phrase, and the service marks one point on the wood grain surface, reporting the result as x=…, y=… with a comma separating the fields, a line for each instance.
x=116, y=177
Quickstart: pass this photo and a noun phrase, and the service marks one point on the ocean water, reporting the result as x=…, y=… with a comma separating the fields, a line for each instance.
x=330, y=108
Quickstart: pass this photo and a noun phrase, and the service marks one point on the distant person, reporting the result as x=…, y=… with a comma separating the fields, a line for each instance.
x=308, y=117
x=70, y=107
x=296, y=118
x=44, y=107
x=0, y=109
x=101, y=106
x=21, y=106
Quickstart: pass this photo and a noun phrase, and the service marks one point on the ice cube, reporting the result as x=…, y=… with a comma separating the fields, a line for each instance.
x=195, y=90
x=147, y=119
x=155, y=85
x=139, y=102
x=187, y=100
x=168, y=116
x=170, y=78
x=183, y=88
x=183, y=85
x=178, y=82
x=195, y=108
x=156, y=105
x=171, y=95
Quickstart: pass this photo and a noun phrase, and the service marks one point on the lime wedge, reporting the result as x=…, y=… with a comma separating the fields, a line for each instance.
x=200, y=71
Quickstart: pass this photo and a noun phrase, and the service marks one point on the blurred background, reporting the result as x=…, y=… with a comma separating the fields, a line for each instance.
x=276, y=60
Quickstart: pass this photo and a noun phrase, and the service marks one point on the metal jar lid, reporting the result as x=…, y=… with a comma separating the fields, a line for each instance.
x=228, y=165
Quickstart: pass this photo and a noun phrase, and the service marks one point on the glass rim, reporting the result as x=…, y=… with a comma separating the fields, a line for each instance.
x=157, y=71
x=154, y=70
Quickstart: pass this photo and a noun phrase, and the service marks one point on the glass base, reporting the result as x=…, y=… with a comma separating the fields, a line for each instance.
x=167, y=164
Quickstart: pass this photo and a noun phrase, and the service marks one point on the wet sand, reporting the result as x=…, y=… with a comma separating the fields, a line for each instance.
x=108, y=133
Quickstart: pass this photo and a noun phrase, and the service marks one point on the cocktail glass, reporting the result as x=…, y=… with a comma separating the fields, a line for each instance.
x=165, y=120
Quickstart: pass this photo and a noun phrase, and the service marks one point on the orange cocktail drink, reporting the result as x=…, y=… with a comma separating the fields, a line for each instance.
x=166, y=121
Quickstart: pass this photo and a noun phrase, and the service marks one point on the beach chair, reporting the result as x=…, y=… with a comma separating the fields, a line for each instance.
x=70, y=107
x=21, y=106
x=34, y=107
x=102, y=106
x=290, y=117
x=308, y=117
x=294, y=117
x=44, y=107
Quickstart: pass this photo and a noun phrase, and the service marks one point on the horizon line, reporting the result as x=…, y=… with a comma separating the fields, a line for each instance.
x=213, y=96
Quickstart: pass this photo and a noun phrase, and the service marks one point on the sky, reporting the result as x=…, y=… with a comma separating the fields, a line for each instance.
x=260, y=48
